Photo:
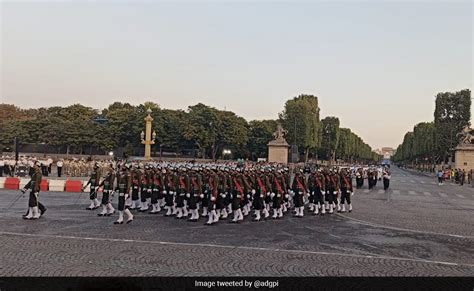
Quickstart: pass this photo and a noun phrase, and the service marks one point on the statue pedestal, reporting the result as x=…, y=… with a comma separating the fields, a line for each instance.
x=278, y=151
x=464, y=157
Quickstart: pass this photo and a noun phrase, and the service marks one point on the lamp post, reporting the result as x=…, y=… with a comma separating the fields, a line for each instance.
x=147, y=137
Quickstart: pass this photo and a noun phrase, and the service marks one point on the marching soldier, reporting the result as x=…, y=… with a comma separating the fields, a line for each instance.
x=237, y=191
x=299, y=189
x=35, y=208
x=136, y=178
x=158, y=192
x=346, y=191
x=94, y=181
x=259, y=195
x=213, y=194
x=222, y=188
x=108, y=188
x=318, y=188
x=195, y=194
x=124, y=182
x=145, y=189
x=171, y=190
x=181, y=193
x=278, y=187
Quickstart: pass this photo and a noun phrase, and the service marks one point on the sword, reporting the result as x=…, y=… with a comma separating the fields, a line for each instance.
x=16, y=199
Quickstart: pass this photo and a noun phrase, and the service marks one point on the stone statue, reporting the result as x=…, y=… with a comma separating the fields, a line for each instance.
x=279, y=134
x=467, y=136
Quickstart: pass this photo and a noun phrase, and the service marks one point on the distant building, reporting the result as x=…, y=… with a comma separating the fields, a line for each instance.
x=387, y=152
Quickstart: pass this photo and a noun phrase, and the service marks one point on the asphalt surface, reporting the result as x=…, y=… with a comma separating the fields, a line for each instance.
x=417, y=228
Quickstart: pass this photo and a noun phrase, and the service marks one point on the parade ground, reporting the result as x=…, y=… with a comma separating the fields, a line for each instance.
x=417, y=228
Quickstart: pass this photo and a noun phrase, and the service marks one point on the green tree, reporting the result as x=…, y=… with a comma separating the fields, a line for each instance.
x=260, y=133
x=452, y=114
x=329, y=137
x=300, y=118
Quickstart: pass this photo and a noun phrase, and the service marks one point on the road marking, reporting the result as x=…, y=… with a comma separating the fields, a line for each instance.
x=236, y=247
x=460, y=196
x=400, y=228
x=412, y=192
x=396, y=191
x=412, y=181
x=427, y=193
x=443, y=194
x=422, y=182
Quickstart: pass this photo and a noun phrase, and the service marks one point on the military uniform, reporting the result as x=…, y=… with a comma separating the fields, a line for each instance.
x=299, y=189
x=108, y=189
x=183, y=190
x=94, y=181
x=124, y=182
x=34, y=206
x=346, y=192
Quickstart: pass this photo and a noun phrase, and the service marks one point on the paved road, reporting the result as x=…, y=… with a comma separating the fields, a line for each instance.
x=417, y=228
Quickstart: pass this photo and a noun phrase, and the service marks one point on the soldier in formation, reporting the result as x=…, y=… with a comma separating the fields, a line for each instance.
x=220, y=192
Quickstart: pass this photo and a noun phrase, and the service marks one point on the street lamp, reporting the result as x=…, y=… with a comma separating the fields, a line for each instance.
x=147, y=137
x=226, y=152
x=111, y=154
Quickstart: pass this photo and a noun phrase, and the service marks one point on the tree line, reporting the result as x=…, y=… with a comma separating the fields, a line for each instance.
x=434, y=142
x=201, y=129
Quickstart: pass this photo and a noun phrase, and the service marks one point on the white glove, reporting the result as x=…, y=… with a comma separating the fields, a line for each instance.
x=253, y=191
x=188, y=195
x=238, y=195
x=223, y=195
x=149, y=190
x=287, y=196
x=96, y=188
x=213, y=198
x=335, y=192
x=171, y=193
x=248, y=196
x=278, y=195
x=261, y=195
x=201, y=196
x=352, y=193
x=272, y=195
x=268, y=193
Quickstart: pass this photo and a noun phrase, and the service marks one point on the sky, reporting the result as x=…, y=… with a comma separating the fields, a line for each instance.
x=375, y=65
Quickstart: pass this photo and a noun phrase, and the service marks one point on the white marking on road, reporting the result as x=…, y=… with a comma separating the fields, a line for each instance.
x=237, y=247
x=422, y=182
x=443, y=194
x=412, y=181
x=370, y=246
x=355, y=220
x=427, y=193
x=460, y=196
x=396, y=191
x=411, y=192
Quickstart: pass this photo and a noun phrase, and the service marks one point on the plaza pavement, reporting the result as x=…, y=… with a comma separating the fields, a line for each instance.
x=417, y=228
